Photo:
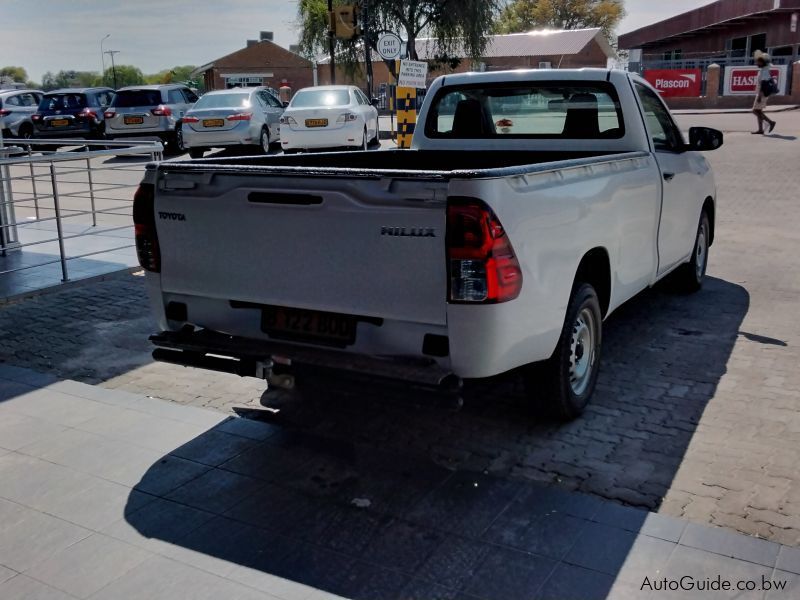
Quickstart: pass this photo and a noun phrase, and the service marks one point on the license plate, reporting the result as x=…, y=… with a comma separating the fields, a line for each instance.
x=133, y=120
x=316, y=122
x=59, y=122
x=308, y=325
x=213, y=122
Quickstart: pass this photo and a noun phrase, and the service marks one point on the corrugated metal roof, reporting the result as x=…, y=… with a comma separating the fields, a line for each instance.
x=543, y=42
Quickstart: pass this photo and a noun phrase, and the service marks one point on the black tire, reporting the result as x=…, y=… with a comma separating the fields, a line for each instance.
x=562, y=386
x=263, y=144
x=197, y=152
x=365, y=141
x=175, y=144
x=25, y=131
x=689, y=276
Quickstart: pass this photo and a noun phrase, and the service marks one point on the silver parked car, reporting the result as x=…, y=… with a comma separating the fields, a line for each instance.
x=235, y=117
x=150, y=111
x=16, y=108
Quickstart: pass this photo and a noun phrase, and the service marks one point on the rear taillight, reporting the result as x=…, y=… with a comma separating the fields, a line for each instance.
x=36, y=117
x=144, y=222
x=288, y=121
x=4, y=112
x=87, y=113
x=245, y=116
x=191, y=120
x=347, y=117
x=481, y=262
x=161, y=111
x=109, y=114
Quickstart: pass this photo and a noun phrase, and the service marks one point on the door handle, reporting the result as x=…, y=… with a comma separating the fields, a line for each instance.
x=669, y=176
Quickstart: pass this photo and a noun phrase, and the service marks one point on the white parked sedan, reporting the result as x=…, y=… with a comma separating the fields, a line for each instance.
x=329, y=117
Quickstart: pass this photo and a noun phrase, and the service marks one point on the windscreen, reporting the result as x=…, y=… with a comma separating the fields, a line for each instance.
x=566, y=110
x=311, y=98
x=62, y=102
x=129, y=98
x=223, y=101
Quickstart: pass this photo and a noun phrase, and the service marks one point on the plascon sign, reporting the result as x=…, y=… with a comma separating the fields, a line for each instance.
x=743, y=80
x=672, y=83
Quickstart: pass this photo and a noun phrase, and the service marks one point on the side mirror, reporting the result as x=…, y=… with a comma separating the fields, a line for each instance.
x=375, y=101
x=704, y=139
x=285, y=104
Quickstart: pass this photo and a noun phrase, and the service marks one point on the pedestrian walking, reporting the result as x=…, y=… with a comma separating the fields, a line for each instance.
x=765, y=87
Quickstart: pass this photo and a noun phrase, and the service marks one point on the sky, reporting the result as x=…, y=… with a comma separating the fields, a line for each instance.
x=51, y=35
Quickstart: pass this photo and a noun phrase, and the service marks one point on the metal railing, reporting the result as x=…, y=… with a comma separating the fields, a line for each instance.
x=88, y=187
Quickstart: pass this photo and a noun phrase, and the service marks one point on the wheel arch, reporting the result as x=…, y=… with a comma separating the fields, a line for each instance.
x=595, y=269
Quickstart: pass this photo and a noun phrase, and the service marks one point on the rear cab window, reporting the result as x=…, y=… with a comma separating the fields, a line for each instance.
x=546, y=110
x=132, y=98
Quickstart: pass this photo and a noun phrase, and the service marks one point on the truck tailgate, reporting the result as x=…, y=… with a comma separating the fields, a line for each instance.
x=372, y=247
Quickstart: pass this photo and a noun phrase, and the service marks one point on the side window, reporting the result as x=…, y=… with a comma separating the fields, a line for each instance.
x=28, y=100
x=13, y=101
x=191, y=97
x=175, y=97
x=665, y=134
x=261, y=99
x=272, y=100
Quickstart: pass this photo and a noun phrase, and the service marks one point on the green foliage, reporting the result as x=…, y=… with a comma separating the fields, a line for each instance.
x=179, y=74
x=15, y=73
x=126, y=75
x=459, y=27
x=525, y=15
x=64, y=79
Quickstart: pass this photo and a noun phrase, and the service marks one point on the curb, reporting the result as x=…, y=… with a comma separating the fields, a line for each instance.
x=72, y=283
x=731, y=111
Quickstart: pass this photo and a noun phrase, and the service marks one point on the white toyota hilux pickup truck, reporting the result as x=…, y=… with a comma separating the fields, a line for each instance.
x=532, y=204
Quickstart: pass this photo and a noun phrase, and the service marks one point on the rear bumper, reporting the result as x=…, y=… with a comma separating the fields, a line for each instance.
x=301, y=139
x=245, y=357
x=209, y=139
x=85, y=133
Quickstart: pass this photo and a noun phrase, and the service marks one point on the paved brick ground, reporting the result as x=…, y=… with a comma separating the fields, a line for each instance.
x=697, y=414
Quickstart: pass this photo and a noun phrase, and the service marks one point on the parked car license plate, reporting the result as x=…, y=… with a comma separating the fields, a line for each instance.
x=316, y=122
x=310, y=325
x=133, y=120
x=213, y=122
x=59, y=122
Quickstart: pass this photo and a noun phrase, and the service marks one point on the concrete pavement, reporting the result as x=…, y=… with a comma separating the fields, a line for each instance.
x=111, y=495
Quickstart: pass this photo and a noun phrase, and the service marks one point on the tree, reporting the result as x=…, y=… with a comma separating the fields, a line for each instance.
x=458, y=27
x=525, y=15
x=179, y=74
x=126, y=75
x=15, y=73
x=63, y=79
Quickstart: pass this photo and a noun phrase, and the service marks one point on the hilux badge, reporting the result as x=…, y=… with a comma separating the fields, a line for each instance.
x=408, y=231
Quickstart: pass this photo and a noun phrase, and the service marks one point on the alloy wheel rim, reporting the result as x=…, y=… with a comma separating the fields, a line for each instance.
x=583, y=351
x=700, y=254
x=264, y=141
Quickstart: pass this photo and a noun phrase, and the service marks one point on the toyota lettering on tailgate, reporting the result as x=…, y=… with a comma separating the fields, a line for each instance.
x=672, y=83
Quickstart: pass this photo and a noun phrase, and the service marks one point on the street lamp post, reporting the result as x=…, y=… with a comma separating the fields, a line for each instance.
x=111, y=53
x=103, y=59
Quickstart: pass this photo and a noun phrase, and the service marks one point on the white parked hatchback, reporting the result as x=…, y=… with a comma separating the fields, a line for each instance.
x=330, y=116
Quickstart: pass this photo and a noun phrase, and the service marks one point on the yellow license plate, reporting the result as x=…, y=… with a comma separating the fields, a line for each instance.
x=59, y=122
x=213, y=122
x=316, y=122
x=133, y=120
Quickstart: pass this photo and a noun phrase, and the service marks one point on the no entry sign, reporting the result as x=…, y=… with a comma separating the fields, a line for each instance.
x=672, y=83
x=742, y=81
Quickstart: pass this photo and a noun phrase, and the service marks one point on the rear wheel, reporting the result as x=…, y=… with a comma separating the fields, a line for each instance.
x=196, y=152
x=264, y=140
x=563, y=385
x=689, y=276
x=176, y=143
x=25, y=131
